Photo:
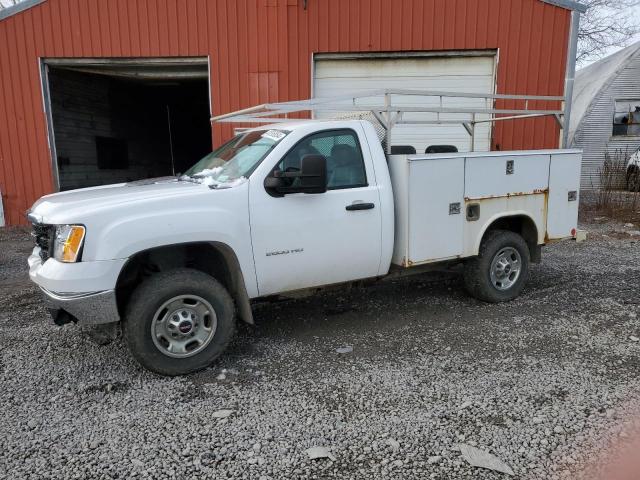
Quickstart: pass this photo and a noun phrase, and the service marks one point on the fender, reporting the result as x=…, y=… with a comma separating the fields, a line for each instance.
x=500, y=216
x=218, y=259
x=205, y=216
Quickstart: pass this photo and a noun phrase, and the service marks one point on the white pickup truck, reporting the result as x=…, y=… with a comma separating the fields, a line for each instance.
x=283, y=208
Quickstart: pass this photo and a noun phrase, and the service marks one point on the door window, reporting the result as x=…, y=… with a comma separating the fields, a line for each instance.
x=345, y=164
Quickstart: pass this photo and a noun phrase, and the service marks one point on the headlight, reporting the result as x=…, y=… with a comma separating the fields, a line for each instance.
x=68, y=243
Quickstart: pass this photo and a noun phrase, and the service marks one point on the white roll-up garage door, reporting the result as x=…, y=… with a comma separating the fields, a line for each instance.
x=334, y=76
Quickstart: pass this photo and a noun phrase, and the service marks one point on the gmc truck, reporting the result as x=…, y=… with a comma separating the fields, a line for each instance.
x=290, y=207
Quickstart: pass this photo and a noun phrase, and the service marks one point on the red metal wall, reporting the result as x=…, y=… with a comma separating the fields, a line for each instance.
x=260, y=51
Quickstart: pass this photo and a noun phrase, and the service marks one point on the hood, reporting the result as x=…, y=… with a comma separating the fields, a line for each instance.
x=74, y=206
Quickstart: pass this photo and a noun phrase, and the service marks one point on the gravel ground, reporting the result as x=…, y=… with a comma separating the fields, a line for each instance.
x=546, y=383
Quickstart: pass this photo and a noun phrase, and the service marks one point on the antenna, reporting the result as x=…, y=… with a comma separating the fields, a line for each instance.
x=173, y=165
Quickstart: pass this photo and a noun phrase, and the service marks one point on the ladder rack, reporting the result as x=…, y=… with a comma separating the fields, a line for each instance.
x=384, y=106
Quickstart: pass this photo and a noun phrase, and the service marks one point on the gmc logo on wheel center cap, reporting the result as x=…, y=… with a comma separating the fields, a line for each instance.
x=185, y=327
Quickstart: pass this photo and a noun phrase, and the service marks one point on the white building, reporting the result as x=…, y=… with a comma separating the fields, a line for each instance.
x=606, y=95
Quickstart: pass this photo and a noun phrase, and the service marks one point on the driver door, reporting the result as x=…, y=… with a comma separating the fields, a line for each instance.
x=310, y=240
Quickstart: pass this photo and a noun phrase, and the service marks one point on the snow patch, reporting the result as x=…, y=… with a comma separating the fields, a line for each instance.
x=229, y=184
x=208, y=177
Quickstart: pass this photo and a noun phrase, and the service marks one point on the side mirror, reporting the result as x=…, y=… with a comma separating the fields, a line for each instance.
x=273, y=183
x=311, y=178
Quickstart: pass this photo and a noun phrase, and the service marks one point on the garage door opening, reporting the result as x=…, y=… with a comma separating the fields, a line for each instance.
x=124, y=120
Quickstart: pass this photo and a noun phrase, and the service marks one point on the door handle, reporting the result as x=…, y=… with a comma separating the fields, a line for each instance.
x=360, y=206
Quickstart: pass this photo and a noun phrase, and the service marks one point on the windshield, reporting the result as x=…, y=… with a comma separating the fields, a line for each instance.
x=234, y=161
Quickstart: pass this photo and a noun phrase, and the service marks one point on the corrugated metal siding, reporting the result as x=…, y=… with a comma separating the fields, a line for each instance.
x=260, y=51
x=593, y=134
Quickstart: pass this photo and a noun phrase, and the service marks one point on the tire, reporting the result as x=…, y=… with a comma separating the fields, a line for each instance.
x=501, y=246
x=180, y=299
x=633, y=180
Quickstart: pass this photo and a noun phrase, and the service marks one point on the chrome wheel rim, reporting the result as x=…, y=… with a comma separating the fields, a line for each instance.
x=183, y=326
x=506, y=267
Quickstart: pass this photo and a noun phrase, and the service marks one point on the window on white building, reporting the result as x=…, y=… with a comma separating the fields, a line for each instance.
x=626, y=119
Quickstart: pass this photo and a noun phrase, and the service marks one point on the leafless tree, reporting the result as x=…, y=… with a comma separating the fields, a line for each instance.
x=606, y=24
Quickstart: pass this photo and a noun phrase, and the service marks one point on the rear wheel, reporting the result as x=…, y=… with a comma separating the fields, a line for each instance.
x=500, y=271
x=179, y=322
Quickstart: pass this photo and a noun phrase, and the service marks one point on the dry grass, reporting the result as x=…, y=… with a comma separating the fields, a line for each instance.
x=611, y=198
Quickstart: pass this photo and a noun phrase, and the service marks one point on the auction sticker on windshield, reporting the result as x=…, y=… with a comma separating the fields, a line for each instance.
x=274, y=135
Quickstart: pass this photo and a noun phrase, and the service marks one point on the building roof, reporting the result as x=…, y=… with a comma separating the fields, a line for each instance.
x=26, y=4
x=592, y=80
x=19, y=7
x=568, y=4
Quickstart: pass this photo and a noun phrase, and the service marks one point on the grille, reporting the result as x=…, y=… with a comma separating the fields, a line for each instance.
x=44, y=239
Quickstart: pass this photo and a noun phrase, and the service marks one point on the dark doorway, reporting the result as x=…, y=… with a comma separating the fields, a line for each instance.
x=122, y=122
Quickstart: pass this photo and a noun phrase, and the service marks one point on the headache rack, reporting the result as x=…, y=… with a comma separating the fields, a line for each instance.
x=392, y=107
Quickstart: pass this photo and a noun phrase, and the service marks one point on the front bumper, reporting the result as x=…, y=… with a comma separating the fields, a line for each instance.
x=84, y=290
x=92, y=308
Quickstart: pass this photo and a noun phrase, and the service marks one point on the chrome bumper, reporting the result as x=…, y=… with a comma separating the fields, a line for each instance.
x=91, y=308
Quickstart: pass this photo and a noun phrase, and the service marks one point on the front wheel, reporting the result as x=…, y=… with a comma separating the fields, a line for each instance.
x=500, y=271
x=179, y=321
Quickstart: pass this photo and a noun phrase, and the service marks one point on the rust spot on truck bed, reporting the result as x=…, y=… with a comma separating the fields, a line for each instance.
x=538, y=191
x=406, y=263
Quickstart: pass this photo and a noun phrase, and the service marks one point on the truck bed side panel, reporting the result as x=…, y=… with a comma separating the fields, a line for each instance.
x=446, y=202
x=505, y=175
x=436, y=216
x=505, y=185
x=564, y=188
x=429, y=196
